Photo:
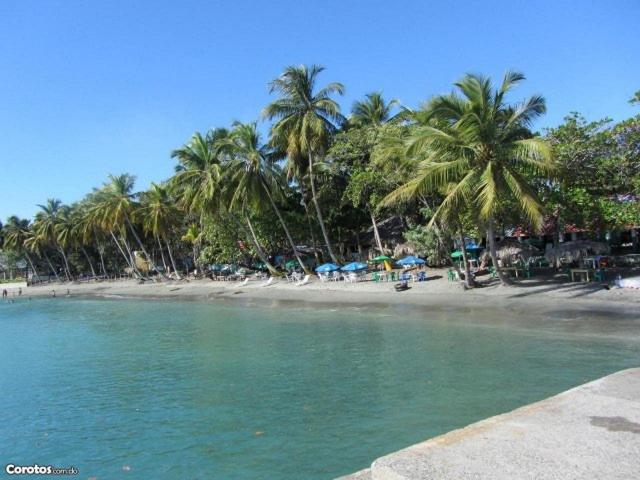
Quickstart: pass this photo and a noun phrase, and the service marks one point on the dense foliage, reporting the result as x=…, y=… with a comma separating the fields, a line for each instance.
x=324, y=186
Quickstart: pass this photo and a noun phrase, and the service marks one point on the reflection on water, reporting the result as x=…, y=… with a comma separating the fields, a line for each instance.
x=191, y=390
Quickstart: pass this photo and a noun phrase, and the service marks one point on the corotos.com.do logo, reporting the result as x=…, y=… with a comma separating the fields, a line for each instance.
x=36, y=469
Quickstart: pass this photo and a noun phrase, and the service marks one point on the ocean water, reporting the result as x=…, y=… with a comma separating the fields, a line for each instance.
x=169, y=390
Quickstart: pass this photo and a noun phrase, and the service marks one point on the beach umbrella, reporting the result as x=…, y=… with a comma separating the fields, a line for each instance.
x=411, y=260
x=381, y=258
x=215, y=267
x=354, y=267
x=259, y=266
x=456, y=254
x=327, y=267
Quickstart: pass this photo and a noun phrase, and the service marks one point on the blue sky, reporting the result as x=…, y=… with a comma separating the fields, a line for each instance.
x=90, y=88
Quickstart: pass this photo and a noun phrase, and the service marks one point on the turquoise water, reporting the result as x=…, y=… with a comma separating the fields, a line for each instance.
x=168, y=390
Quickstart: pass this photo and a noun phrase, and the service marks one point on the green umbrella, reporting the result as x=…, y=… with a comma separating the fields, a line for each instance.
x=291, y=264
x=456, y=254
x=381, y=258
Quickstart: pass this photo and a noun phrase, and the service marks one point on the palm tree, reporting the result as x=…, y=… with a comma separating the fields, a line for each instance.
x=481, y=145
x=16, y=232
x=69, y=232
x=196, y=184
x=373, y=111
x=113, y=209
x=254, y=177
x=45, y=224
x=306, y=118
x=159, y=215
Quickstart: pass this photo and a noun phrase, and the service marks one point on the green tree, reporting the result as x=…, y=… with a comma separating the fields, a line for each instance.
x=481, y=145
x=159, y=216
x=15, y=233
x=373, y=111
x=46, y=222
x=306, y=118
x=254, y=177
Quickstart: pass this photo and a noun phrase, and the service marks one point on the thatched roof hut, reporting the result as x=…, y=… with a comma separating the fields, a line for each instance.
x=574, y=251
x=509, y=250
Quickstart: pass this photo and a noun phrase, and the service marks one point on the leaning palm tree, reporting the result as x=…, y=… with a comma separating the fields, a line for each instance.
x=69, y=233
x=306, y=118
x=373, y=111
x=252, y=172
x=196, y=184
x=114, y=207
x=45, y=224
x=482, y=145
x=159, y=215
x=15, y=233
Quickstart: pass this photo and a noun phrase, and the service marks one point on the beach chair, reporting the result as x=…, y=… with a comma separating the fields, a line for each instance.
x=267, y=283
x=304, y=281
x=243, y=283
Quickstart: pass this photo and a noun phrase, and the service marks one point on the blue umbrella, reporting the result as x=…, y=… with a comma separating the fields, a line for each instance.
x=411, y=260
x=354, y=267
x=327, y=267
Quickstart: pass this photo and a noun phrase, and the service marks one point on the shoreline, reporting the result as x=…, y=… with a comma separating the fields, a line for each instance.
x=542, y=295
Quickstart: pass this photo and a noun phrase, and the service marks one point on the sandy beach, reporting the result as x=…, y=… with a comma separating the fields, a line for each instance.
x=539, y=294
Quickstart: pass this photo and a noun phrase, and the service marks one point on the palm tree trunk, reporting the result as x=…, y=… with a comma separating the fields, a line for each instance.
x=164, y=262
x=104, y=270
x=468, y=279
x=173, y=263
x=129, y=259
x=261, y=253
x=318, y=211
x=144, y=250
x=286, y=230
x=67, y=271
x=115, y=240
x=33, y=267
x=314, y=244
x=86, y=255
x=51, y=265
x=376, y=233
x=491, y=240
x=132, y=257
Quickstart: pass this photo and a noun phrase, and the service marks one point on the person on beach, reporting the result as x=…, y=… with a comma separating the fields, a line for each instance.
x=53, y=294
x=20, y=291
x=5, y=294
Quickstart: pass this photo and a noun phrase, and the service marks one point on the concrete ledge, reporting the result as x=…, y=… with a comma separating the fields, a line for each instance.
x=591, y=431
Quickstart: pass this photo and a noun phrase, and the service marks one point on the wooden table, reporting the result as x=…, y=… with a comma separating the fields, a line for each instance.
x=515, y=270
x=581, y=271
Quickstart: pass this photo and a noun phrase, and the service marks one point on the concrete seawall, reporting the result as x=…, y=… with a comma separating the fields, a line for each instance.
x=589, y=432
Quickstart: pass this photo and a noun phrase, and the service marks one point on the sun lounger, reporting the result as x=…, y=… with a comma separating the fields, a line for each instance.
x=304, y=281
x=267, y=283
x=243, y=283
